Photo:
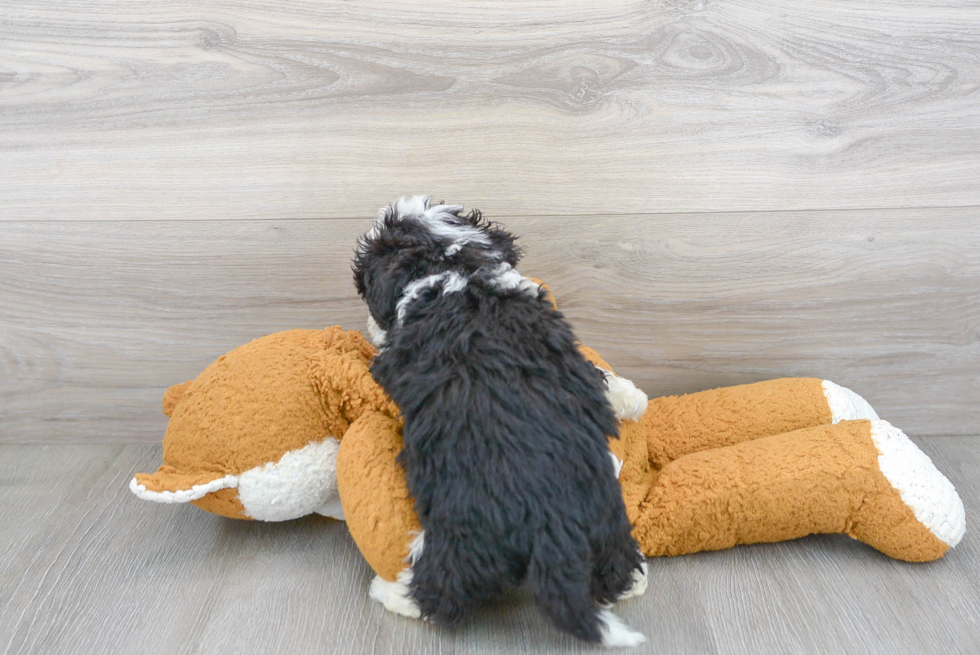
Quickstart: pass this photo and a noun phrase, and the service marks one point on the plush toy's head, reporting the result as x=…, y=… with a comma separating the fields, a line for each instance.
x=256, y=435
x=412, y=240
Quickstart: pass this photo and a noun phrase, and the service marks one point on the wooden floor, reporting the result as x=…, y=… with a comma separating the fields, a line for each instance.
x=87, y=569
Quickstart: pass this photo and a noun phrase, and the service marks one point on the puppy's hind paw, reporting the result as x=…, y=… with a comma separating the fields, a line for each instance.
x=616, y=634
x=639, y=585
x=394, y=596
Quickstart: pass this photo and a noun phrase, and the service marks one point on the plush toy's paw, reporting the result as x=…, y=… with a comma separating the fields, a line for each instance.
x=639, y=586
x=845, y=405
x=395, y=595
x=909, y=510
x=922, y=488
x=301, y=482
x=628, y=402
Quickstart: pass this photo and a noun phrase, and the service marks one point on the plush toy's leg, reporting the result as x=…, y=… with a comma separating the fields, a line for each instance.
x=862, y=478
x=396, y=595
x=680, y=425
x=379, y=511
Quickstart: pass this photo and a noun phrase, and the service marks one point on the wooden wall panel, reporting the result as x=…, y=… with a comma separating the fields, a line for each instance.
x=299, y=109
x=97, y=318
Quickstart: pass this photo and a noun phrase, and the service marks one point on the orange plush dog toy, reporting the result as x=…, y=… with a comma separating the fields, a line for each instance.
x=293, y=424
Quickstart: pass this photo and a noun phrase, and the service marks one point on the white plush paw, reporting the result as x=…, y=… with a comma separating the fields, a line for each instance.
x=845, y=405
x=639, y=586
x=628, y=402
x=616, y=634
x=303, y=481
x=927, y=492
x=394, y=595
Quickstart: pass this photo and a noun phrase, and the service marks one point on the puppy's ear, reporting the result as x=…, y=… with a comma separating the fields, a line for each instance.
x=380, y=276
x=502, y=242
x=390, y=256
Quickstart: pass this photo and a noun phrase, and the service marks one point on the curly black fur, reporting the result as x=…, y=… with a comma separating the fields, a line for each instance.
x=505, y=433
x=403, y=251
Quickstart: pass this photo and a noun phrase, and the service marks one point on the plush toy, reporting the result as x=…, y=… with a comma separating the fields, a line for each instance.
x=293, y=424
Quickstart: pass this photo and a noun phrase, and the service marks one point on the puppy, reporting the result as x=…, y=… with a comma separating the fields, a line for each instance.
x=505, y=447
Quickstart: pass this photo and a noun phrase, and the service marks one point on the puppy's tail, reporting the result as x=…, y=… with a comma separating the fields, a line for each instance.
x=559, y=581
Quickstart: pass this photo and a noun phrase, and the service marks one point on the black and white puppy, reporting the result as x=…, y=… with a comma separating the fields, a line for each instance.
x=505, y=447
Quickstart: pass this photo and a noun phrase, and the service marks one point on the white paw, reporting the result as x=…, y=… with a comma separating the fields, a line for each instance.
x=639, y=586
x=394, y=595
x=616, y=634
x=926, y=491
x=628, y=402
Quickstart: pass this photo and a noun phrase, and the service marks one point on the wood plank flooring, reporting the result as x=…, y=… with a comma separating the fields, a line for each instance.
x=87, y=569
x=299, y=109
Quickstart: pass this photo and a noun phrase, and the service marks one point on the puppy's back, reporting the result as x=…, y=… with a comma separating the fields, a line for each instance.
x=506, y=455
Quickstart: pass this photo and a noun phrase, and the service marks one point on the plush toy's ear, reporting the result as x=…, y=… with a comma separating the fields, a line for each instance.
x=211, y=491
x=173, y=396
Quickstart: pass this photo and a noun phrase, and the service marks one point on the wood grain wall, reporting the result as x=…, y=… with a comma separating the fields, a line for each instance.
x=720, y=192
x=308, y=109
x=99, y=317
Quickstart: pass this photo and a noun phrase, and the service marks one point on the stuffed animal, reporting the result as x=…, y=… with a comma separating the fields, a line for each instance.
x=293, y=424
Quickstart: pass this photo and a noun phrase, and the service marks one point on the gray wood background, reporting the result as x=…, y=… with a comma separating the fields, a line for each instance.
x=99, y=317
x=720, y=192
x=303, y=109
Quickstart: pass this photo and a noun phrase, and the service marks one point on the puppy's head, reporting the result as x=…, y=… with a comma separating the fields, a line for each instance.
x=412, y=239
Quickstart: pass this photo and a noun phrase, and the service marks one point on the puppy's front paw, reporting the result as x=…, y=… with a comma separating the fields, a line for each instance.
x=628, y=402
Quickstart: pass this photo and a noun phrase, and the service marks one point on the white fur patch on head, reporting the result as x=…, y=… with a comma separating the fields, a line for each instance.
x=506, y=278
x=927, y=492
x=845, y=405
x=416, y=206
x=454, y=283
x=451, y=281
x=301, y=482
x=616, y=634
x=377, y=336
x=628, y=402
x=442, y=222
x=448, y=227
